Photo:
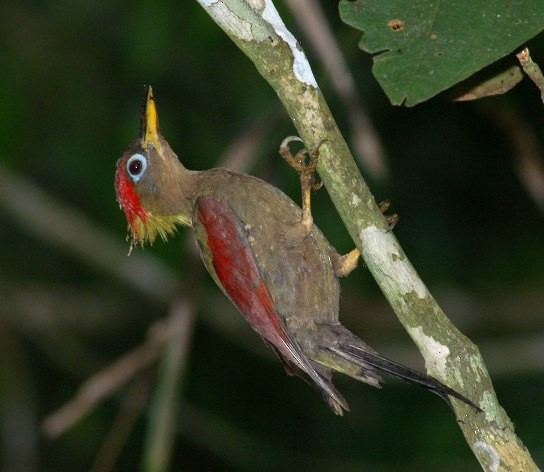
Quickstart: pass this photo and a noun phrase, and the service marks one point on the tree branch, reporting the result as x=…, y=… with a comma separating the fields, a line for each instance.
x=364, y=138
x=259, y=32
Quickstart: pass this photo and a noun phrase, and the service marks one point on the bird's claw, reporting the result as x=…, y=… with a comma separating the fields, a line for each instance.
x=305, y=164
x=393, y=219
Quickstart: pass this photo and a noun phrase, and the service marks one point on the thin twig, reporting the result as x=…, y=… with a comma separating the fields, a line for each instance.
x=106, y=382
x=18, y=418
x=528, y=163
x=164, y=407
x=133, y=404
x=532, y=70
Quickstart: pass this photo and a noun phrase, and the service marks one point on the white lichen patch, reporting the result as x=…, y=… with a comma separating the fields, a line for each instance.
x=241, y=20
x=435, y=354
x=301, y=66
x=493, y=457
x=228, y=19
x=355, y=200
x=381, y=252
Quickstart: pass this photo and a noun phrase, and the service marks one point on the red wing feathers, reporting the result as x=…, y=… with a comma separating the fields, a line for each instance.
x=237, y=271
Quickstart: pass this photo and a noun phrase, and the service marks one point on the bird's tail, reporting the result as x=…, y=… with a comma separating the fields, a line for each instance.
x=371, y=365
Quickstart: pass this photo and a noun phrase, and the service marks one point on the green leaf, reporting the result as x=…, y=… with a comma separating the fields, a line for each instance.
x=423, y=47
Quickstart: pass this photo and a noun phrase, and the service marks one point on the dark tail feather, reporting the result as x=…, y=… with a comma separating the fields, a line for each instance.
x=368, y=359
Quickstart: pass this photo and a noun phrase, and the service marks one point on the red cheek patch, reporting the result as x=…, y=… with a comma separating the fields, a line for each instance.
x=128, y=199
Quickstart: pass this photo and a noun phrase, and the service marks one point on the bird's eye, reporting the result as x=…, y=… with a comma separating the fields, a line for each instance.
x=136, y=166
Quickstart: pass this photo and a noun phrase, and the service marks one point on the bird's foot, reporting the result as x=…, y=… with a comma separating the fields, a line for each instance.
x=305, y=164
x=344, y=265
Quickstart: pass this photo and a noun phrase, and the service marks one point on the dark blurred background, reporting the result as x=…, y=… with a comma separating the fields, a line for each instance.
x=465, y=178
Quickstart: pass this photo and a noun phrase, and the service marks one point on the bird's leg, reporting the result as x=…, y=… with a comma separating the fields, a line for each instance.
x=305, y=164
x=344, y=265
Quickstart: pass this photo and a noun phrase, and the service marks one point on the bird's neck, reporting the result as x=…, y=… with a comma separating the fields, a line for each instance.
x=169, y=200
x=178, y=187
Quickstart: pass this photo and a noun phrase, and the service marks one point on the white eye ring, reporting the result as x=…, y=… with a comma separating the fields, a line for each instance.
x=136, y=167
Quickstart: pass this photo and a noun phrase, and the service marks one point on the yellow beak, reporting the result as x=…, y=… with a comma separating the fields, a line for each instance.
x=150, y=121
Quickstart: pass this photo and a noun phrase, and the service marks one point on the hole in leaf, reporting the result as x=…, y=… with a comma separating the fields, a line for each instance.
x=395, y=25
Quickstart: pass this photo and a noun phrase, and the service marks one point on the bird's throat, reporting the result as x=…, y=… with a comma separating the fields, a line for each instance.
x=146, y=230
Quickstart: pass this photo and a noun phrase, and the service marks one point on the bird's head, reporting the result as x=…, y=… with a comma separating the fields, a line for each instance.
x=151, y=184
